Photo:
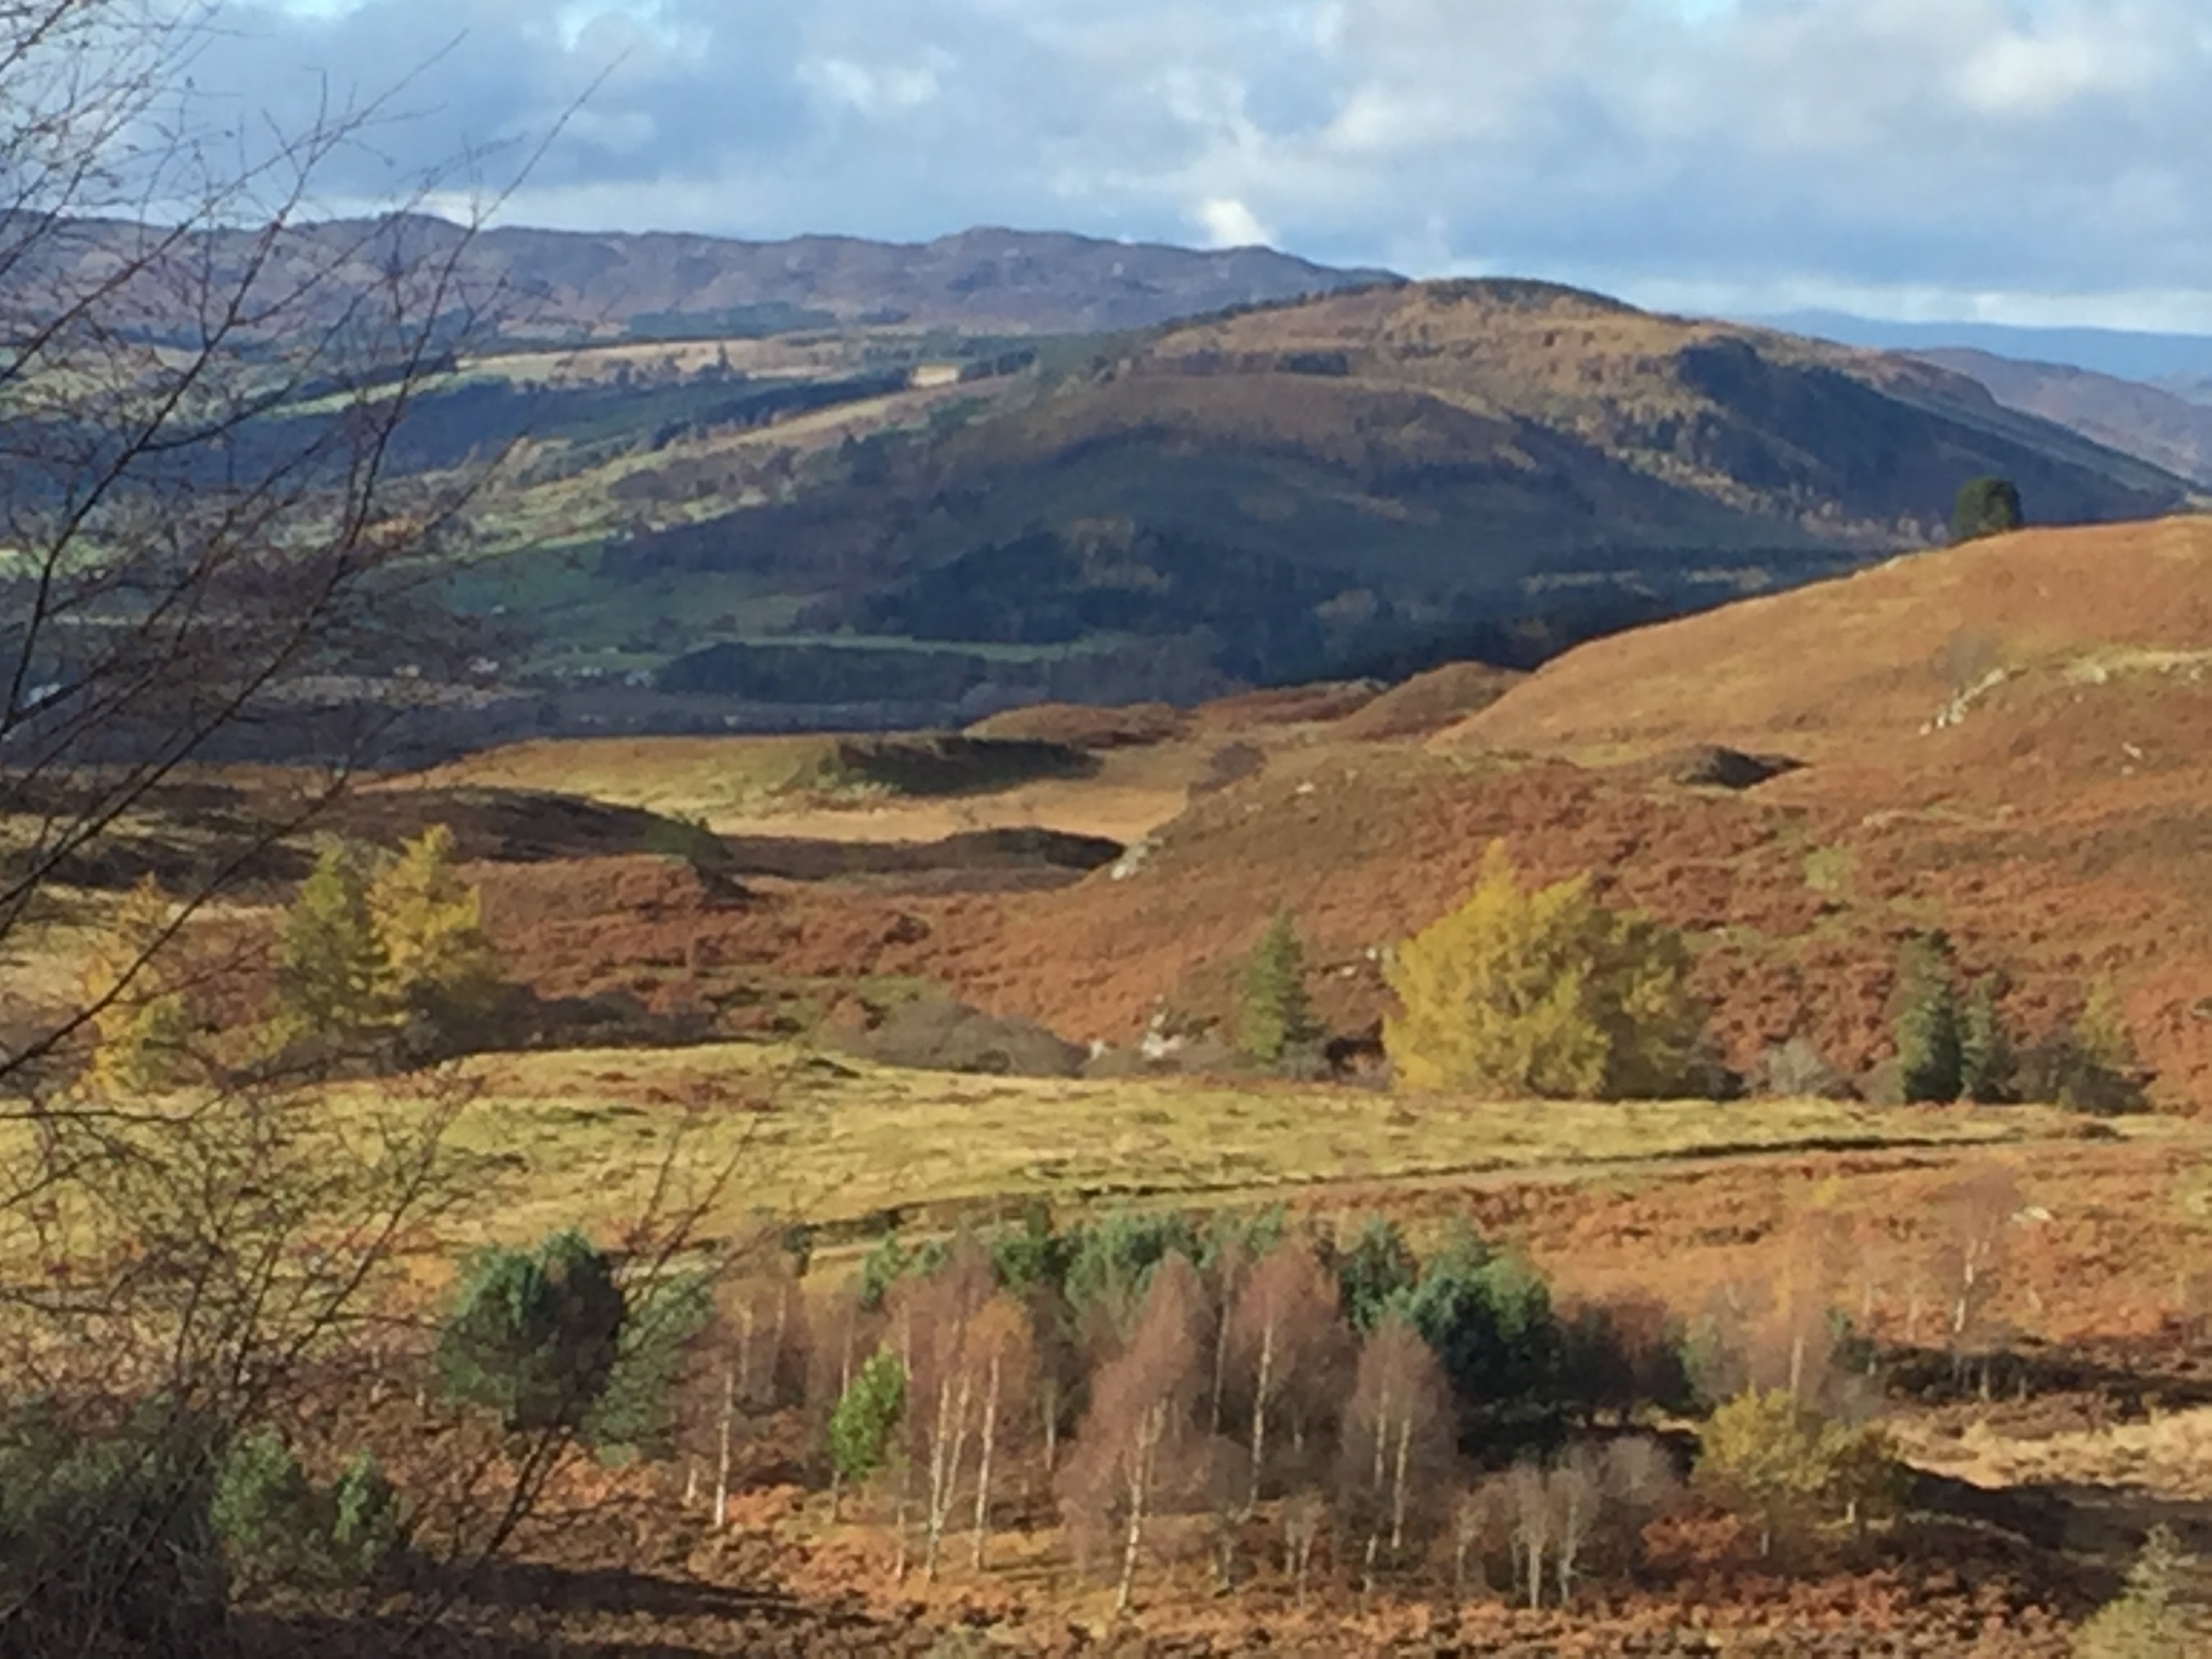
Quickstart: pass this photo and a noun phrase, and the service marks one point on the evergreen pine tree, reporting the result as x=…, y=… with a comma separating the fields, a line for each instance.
x=536, y=1335
x=1277, y=1017
x=1986, y=1060
x=1375, y=1273
x=1928, y=1058
x=861, y=1423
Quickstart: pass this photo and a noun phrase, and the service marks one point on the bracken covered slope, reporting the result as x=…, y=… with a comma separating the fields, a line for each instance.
x=2004, y=740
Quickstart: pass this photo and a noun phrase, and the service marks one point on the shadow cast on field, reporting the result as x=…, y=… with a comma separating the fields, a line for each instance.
x=2080, y=1537
x=531, y=1611
x=2127, y=1383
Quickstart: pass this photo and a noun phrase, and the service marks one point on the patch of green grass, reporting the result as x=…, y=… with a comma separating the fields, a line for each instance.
x=707, y=779
x=1830, y=870
x=835, y=1141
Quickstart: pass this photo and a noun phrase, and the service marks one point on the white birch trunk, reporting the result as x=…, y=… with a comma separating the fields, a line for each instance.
x=989, y=1443
x=722, y=1450
x=1150, y=1428
x=1398, y=1487
x=1263, y=1384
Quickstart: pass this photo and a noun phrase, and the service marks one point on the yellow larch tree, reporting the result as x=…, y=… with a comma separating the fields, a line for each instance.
x=139, y=1017
x=1543, y=993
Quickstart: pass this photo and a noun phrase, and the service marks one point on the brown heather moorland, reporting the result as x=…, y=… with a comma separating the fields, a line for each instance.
x=2002, y=740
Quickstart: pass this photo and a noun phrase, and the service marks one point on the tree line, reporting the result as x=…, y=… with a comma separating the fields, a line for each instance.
x=1274, y=1399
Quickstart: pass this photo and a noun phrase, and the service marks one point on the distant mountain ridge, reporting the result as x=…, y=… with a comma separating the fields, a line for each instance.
x=2136, y=419
x=2177, y=362
x=534, y=283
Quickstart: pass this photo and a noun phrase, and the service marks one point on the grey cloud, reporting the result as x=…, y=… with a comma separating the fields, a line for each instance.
x=1975, y=146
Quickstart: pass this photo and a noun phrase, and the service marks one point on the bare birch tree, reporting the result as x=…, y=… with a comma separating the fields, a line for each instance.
x=1003, y=1349
x=949, y=1378
x=1535, y=1520
x=1288, y=1341
x=1975, y=1216
x=1395, y=1433
x=1142, y=1413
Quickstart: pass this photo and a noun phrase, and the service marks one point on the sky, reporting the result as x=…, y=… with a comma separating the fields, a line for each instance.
x=2028, y=161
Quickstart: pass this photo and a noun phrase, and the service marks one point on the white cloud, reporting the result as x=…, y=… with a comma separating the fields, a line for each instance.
x=1228, y=223
x=889, y=90
x=2026, y=76
x=1911, y=152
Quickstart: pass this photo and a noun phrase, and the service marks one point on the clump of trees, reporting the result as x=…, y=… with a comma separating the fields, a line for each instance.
x=375, y=955
x=147, y=1528
x=1325, y=1405
x=384, y=950
x=1986, y=507
x=1777, y=1457
x=1330, y=1405
x=278, y=1527
x=1953, y=1042
x=1545, y=993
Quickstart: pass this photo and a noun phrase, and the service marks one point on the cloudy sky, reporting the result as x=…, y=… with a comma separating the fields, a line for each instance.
x=2023, y=161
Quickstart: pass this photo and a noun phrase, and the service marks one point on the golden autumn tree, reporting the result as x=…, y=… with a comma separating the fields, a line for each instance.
x=137, y=1017
x=333, y=982
x=429, y=924
x=1543, y=993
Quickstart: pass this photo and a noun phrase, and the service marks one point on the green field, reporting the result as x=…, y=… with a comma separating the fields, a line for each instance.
x=581, y=1137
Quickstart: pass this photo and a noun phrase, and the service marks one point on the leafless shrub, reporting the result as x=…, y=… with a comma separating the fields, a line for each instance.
x=1640, y=1484
x=1578, y=1495
x=1305, y=1525
x=1975, y=1216
x=1481, y=1527
x=1967, y=659
x=1534, y=1527
x=1796, y=1070
x=1002, y=1346
x=948, y=1377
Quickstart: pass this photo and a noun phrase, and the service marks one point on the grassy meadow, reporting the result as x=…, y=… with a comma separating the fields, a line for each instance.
x=583, y=1136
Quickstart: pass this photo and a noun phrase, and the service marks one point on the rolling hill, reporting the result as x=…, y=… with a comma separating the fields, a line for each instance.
x=1487, y=468
x=2002, y=740
x=836, y=484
